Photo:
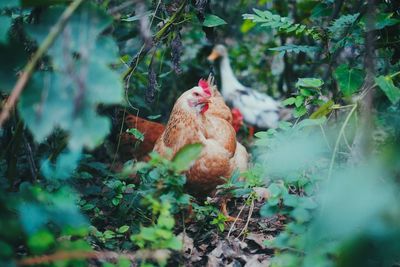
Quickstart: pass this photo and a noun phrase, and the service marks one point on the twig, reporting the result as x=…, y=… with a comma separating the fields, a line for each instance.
x=248, y=218
x=237, y=218
x=30, y=67
x=31, y=160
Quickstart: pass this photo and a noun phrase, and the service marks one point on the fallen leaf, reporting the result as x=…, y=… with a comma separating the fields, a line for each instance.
x=257, y=261
x=258, y=239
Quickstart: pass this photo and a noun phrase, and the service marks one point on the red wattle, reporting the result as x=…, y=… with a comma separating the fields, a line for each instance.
x=204, y=109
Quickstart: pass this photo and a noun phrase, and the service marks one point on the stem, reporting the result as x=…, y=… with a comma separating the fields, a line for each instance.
x=30, y=67
x=338, y=140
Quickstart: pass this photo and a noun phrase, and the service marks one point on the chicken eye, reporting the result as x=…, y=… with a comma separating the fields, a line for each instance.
x=196, y=94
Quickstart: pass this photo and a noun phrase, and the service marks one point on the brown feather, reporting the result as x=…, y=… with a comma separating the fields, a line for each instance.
x=221, y=155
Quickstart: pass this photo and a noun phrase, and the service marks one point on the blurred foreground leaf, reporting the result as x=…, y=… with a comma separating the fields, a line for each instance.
x=186, y=156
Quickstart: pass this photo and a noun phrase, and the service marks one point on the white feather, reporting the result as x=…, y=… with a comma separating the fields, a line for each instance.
x=258, y=109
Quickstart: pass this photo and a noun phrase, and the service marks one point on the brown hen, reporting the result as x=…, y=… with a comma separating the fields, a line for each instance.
x=200, y=115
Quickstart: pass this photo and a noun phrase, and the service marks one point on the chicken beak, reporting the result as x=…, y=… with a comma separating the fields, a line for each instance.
x=213, y=56
x=204, y=100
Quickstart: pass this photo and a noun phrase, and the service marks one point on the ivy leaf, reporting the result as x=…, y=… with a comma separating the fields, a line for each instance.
x=390, y=90
x=213, y=21
x=186, y=156
x=350, y=80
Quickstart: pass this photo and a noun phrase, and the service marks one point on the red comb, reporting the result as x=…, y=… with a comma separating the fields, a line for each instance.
x=204, y=85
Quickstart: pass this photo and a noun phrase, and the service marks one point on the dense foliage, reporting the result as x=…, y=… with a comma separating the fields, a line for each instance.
x=326, y=184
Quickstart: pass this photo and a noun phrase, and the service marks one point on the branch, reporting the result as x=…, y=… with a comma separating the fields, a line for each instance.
x=157, y=37
x=30, y=67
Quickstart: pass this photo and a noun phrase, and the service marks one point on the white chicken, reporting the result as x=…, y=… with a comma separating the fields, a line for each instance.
x=258, y=109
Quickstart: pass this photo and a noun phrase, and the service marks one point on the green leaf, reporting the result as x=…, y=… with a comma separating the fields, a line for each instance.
x=291, y=200
x=299, y=100
x=123, y=229
x=313, y=83
x=213, y=21
x=323, y=110
x=289, y=101
x=306, y=92
x=267, y=210
x=384, y=20
x=174, y=243
x=136, y=133
x=115, y=201
x=41, y=241
x=386, y=84
x=154, y=117
x=5, y=24
x=186, y=156
x=68, y=97
x=301, y=215
x=88, y=206
x=274, y=190
x=299, y=111
x=349, y=80
x=108, y=234
x=166, y=221
x=291, y=48
x=339, y=26
x=320, y=10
